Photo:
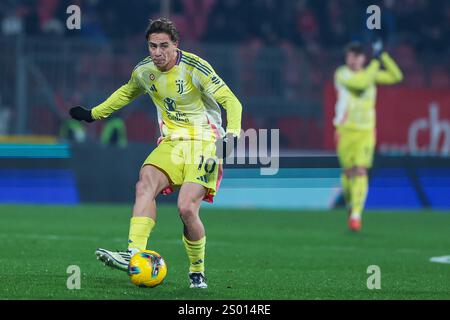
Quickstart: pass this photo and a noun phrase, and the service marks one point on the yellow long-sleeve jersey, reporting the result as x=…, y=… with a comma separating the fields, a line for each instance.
x=355, y=106
x=187, y=99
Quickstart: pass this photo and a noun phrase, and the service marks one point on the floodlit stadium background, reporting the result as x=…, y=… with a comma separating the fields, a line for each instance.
x=277, y=56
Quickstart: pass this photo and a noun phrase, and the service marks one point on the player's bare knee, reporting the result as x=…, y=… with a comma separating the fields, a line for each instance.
x=360, y=171
x=349, y=172
x=187, y=211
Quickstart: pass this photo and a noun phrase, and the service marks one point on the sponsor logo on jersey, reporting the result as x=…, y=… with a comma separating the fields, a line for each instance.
x=169, y=104
x=172, y=113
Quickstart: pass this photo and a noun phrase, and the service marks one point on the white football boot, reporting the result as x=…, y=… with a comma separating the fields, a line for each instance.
x=197, y=280
x=115, y=259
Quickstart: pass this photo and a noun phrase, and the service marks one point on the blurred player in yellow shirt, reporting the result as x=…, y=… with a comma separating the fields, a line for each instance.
x=355, y=120
x=187, y=92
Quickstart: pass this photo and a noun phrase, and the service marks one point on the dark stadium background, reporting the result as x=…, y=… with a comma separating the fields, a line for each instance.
x=279, y=58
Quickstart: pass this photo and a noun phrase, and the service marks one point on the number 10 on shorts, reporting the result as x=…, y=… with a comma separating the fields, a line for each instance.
x=209, y=164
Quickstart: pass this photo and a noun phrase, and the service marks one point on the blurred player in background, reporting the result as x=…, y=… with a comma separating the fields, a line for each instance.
x=186, y=92
x=355, y=120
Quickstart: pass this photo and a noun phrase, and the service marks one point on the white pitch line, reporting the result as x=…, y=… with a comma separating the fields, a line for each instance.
x=442, y=259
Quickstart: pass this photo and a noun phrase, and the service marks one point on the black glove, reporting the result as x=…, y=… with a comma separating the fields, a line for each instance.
x=80, y=114
x=225, y=146
x=377, y=48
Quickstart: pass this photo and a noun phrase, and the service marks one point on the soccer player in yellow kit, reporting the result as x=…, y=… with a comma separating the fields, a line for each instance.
x=355, y=120
x=186, y=91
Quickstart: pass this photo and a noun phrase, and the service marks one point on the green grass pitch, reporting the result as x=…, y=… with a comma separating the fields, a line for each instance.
x=251, y=254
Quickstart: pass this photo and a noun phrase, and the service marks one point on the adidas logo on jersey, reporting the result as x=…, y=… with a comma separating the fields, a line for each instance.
x=203, y=178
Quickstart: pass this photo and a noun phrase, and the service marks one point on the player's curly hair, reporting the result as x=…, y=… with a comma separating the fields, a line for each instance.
x=162, y=25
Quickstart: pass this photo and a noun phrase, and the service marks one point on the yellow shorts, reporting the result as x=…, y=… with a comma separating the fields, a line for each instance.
x=355, y=148
x=188, y=161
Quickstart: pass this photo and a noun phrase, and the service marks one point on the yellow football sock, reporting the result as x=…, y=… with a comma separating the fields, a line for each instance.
x=140, y=228
x=359, y=188
x=196, y=254
x=346, y=189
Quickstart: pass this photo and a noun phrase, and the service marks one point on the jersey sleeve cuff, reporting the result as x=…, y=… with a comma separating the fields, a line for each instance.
x=234, y=132
x=93, y=114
